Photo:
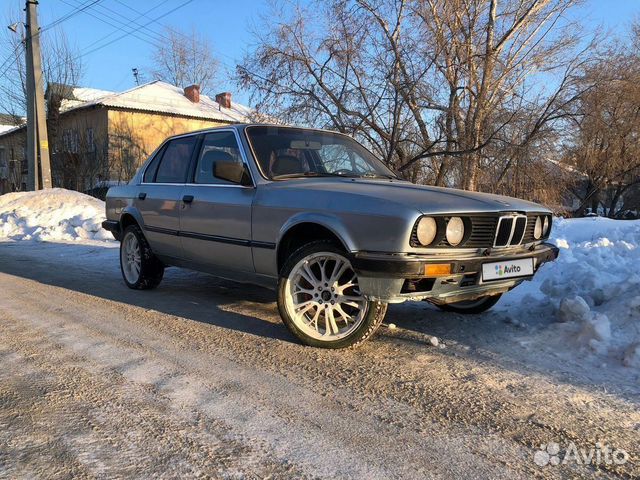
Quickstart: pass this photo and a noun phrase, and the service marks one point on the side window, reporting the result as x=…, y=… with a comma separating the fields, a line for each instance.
x=175, y=160
x=220, y=161
x=151, y=170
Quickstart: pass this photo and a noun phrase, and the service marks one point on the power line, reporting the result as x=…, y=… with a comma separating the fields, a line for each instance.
x=81, y=8
x=13, y=55
x=177, y=32
x=83, y=54
x=122, y=29
x=119, y=25
x=156, y=35
x=87, y=50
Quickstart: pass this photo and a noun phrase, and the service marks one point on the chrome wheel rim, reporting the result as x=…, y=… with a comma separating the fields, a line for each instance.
x=130, y=257
x=323, y=297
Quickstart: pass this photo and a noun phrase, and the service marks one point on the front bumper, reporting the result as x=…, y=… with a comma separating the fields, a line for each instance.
x=112, y=226
x=399, y=277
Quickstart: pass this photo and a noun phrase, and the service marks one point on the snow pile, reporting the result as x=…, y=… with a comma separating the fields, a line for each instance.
x=592, y=292
x=52, y=215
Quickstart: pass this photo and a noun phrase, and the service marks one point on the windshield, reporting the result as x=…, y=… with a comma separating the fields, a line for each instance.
x=285, y=152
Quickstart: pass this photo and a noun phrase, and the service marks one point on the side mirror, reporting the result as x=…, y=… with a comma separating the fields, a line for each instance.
x=232, y=171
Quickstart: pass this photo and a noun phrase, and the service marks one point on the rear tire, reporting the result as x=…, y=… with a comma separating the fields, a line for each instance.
x=140, y=268
x=471, y=307
x=319, y=299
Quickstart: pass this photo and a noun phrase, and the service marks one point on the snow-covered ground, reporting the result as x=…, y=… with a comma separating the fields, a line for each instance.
x=200, y=377
x=585, y=306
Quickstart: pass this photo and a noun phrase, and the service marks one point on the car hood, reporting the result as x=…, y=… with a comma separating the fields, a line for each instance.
x=426, y=199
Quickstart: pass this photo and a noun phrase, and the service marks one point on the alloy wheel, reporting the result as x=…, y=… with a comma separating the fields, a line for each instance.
x=130, y=257
x=324, y=298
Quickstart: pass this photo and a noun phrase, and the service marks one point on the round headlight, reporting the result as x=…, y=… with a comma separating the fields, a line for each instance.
x=455, y=231
x=537, y=229
x=545, y=225
x=427, y=230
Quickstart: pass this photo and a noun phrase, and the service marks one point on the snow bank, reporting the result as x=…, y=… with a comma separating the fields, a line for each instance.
x=51, y=215
x=591, y=295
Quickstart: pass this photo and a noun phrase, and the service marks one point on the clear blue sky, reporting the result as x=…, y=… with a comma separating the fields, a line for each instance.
x=224, y=22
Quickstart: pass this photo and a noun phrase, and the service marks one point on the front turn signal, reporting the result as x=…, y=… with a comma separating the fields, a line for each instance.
x=437, y=269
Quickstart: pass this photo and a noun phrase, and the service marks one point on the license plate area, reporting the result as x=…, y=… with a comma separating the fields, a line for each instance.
x=522, y=267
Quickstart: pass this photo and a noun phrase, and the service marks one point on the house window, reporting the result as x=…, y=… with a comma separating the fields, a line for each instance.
x=91, y=146
x=70, y=141
x=4, y=165
x=75, y=141
x=66, y=141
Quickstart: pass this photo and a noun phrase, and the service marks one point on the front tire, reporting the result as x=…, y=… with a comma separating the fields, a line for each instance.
x=470, y=307
x=140, y=268
x=320, y=302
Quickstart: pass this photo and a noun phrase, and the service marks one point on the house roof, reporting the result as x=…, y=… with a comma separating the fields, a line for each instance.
x=6, y=128
x=157, y=97
x=74, y=97
x=9, y=122
x=153, y=97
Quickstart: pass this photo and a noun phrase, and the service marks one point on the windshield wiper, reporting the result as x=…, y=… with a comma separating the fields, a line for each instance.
x=378, y=175
x=303, y=174
x=327, y=174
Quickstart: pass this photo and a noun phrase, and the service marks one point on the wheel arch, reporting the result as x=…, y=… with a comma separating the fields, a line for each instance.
x=129, y=217
x=304, y=229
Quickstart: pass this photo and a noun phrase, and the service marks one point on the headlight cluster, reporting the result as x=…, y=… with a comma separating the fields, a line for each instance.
x=427, y=231
x=541, y=228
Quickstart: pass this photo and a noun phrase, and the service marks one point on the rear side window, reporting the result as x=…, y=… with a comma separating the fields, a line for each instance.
x=174, y=163
x=151, y=170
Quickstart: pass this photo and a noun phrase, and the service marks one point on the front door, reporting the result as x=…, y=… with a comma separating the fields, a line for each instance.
x=215, y=221
x=159, y=196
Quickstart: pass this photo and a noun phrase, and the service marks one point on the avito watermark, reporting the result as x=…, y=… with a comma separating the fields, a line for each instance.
x=601, y=453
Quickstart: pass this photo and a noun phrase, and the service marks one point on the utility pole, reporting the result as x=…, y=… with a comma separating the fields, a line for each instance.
x=37, y=140
x=135, y=75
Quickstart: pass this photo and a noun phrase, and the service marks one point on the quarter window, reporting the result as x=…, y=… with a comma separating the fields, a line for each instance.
x=174, y=163
x=151, y=170
x=218, y=148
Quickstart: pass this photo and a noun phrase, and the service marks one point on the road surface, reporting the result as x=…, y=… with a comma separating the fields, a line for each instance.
x=199, y=378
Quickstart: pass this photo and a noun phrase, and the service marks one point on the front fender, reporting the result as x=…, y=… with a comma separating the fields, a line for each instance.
x=327, y=220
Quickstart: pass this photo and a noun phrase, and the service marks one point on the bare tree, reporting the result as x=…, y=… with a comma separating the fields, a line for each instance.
x=604, y=144
x=442, y=90
x=185, y=59
x=81, y=156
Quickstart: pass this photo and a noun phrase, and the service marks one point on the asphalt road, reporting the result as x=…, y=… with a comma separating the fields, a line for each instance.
x=199, y=378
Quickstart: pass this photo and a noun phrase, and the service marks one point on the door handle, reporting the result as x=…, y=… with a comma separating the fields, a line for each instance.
x=187, y=198
x=142, y=195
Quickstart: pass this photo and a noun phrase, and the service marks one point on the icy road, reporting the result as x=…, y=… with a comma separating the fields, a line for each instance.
x=200, y=378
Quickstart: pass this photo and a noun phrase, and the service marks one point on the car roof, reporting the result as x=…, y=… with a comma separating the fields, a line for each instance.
x=242, y=126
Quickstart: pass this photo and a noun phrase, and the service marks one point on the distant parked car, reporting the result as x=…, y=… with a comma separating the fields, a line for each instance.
x=316, y=216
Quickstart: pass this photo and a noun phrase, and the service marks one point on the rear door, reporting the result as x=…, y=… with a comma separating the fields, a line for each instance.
x=215, y=226
x=160, y=195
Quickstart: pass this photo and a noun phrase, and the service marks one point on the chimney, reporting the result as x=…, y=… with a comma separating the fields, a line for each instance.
x=224, y=99
x=192, y=92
